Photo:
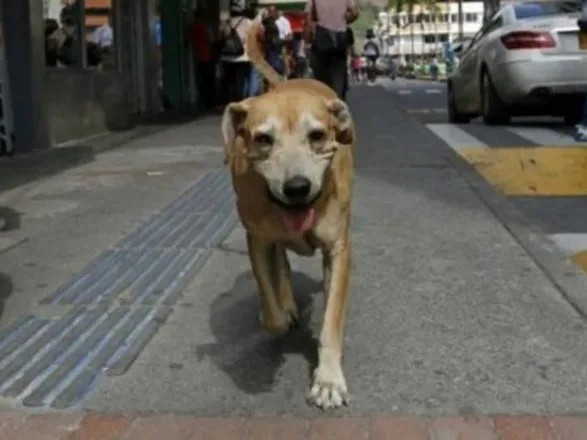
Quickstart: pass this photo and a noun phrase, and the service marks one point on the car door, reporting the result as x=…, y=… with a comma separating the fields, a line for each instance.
x=471, y=93
x=460, y=76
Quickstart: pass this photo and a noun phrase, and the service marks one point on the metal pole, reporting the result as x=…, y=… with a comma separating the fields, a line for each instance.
x=581, y=133
x=461, y=32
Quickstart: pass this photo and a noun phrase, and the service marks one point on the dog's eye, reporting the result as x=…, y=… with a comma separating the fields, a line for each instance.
x=317, y=135
x=263, y=139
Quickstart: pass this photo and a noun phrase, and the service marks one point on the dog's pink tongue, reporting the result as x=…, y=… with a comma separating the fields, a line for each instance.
x=299, y=221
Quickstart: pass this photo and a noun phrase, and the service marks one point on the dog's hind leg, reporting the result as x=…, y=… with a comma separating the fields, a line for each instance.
x=329, y=389
x=264, y=261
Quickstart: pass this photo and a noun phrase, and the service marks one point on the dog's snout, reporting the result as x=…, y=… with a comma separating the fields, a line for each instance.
x=297, y=188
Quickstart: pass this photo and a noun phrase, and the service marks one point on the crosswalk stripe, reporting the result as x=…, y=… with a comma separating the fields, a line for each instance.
x=456, y=138
x=529, y=171
x=405, y=92
x=542, y=136
x=571, y=243
x=433, y=91
x=574, y=245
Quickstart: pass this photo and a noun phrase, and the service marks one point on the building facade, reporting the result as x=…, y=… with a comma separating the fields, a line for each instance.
x=421, y=32
x=82, y=68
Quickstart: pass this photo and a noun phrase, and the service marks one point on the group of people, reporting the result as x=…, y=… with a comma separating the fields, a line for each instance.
x=61, y=40
x=324, y=46
x=222, y=53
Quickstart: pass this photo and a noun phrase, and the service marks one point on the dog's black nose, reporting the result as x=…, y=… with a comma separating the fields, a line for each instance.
x=297, y=188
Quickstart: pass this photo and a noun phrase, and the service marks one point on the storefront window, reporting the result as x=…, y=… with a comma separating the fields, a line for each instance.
x=80, y=34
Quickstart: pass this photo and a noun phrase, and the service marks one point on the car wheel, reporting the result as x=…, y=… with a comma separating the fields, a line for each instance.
x=575, y=113
x=493, y=109
x=454, y=117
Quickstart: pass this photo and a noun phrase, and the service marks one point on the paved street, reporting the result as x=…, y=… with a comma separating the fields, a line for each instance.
x=126, y=290
x=533, y=161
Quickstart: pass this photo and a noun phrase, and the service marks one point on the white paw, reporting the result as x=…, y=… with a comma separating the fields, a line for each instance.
x=329, y=388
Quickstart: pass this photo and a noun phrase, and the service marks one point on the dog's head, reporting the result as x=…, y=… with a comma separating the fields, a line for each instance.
x=289, y=139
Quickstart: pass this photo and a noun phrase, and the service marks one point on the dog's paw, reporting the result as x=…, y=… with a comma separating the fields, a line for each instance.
x=280, y=324
x=329, y=389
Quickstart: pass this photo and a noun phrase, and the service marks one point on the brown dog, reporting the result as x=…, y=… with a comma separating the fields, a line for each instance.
x=290, y=153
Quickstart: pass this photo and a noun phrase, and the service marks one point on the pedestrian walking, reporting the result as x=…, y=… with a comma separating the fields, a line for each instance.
x=325, y=34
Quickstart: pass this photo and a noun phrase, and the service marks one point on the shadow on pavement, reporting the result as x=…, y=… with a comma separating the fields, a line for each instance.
x=9, y=219
x=23, y=169
x=6, y=289
x=244, y=350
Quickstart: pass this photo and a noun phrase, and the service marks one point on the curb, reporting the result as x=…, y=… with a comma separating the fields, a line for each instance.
x=570, y=281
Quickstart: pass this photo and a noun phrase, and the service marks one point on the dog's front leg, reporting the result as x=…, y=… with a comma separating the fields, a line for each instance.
x=266, y=269
x=284, y=287
x=329, y=389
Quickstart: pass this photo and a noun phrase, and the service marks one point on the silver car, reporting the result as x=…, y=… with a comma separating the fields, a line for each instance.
x=525, y=61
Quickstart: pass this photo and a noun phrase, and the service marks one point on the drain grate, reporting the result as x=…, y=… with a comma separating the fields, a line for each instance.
x=118, y=302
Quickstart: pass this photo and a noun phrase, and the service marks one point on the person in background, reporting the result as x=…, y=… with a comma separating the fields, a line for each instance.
x=371, y=51
x=201, y=38
x=254, y=82
x=350, y=40
x=51, y=43
x=286, y=36
x=236, y=68
x=325, y=33
x=274, y=38
x=103, y=37
x=356, y=67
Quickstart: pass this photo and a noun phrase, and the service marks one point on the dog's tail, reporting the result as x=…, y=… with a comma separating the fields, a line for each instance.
x=257, y=57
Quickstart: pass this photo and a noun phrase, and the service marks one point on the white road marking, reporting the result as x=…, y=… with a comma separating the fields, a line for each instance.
x=570, y=243
x=433, y=91
x=404, y=92
x=542, y=136
x=455, y=137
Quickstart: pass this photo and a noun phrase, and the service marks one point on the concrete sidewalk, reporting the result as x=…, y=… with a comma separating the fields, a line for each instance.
x=131, y=275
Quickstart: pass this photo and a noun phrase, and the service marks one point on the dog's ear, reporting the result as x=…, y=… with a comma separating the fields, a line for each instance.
x=232, y=120
x=342, y=114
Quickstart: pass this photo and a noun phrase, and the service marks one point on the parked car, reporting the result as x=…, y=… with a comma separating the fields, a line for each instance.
x=524, y=61
x=385, y=66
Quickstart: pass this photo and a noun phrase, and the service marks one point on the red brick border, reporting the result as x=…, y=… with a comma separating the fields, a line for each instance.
x=62, y=426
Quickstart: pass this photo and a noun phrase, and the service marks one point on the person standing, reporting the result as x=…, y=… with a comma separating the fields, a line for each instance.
x=202, y=38
x=103, y=37
x=233, y=54
x=276, y=33
x=371, y=51
x=325, y=33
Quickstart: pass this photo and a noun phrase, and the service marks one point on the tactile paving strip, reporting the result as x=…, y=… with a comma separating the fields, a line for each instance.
x=118, y=301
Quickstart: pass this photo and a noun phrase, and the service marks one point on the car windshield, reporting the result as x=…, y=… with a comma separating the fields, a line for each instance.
x=543, y=9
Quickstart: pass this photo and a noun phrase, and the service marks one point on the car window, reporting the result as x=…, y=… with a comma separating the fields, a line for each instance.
x=544, y=9
x=489, y=27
